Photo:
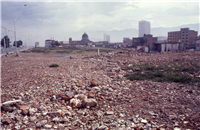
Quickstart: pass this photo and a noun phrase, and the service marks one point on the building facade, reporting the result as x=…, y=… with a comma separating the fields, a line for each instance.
x=106, y=37
x=144, y=28
x=137, y=41
x=84, y=41
x=185, y=36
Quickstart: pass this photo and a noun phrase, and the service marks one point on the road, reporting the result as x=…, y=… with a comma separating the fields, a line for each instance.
x=10, y=50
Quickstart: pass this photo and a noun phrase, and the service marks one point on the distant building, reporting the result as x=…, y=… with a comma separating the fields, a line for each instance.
x=144, y=28
x=48, y=42
x=198, y=45
x=106, y=37
x=36, y=44
x=184, y=36
x=84, y=41
x=127, y=41
x=150, y=40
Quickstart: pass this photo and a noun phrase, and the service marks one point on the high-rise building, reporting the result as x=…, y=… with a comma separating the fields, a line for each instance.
x=106, y=37
x=144, y=28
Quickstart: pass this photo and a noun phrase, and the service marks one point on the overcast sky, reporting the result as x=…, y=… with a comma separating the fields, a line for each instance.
x=43, y=20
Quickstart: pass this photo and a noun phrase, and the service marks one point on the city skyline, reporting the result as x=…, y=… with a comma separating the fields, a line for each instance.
x=42, y=20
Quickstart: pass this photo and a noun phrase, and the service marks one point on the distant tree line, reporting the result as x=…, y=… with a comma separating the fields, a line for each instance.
x=6, y=40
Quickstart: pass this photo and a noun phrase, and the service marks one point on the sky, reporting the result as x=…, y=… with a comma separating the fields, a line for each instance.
x=41, y=20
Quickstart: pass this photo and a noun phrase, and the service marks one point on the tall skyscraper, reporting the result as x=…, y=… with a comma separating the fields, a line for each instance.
x=144, y=28
x=106, y=37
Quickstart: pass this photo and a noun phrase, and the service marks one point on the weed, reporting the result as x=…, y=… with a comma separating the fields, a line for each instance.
x=163, y=73
x=53, y=65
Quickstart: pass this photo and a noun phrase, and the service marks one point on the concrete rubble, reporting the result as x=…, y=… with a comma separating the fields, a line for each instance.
x=90, y=92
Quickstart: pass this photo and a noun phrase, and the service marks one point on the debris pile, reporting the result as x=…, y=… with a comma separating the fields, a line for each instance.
x=90, y=92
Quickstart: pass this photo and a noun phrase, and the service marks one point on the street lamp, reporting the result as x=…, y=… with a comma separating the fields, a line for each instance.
x=5, y=29
x=26, y=40
x=15, y=37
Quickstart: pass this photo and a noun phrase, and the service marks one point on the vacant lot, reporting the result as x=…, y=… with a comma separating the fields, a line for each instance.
x=81, y=90
x=68, y=50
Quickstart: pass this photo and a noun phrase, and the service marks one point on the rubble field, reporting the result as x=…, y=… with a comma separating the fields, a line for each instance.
x=100, y=92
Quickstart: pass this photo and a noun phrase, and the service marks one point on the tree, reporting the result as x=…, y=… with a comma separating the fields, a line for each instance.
x=6, y=40
x=19, y=43
x=143, y=40
x=55, y=43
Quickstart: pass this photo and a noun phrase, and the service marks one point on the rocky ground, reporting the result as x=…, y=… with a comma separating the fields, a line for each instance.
x=90, y=92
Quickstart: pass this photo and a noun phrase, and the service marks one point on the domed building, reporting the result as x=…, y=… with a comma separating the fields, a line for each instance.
x=84, y=41
x=84, y=36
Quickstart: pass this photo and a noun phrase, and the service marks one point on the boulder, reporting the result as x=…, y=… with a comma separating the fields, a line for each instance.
x=89, y=102
x=74, y=102
x=69, y=94
x=93, y=83
x=8, y=106
x=81, y=97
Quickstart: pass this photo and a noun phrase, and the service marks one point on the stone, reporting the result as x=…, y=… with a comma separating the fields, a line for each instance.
x=95, y=126
x=90, y=95
x=121, y=115
x=6, y=121
x=56, y=119
x=53, y=114
x=32, y=118
x=8, y=106
x=66, y=98
x=25, y=112
x=24, y=107
x=47, y=126
x=42, y=108
x=93, y=83
x=109, y=113
x=176, y=128
x=143, y=121
x=81, y=97
x=69, y=108
x=41, y=123
x=74, y=102
x=133, y=125
x=89, y=102
x=103, y=127
x=96, y=89
x=32, y=111
x=69, y=94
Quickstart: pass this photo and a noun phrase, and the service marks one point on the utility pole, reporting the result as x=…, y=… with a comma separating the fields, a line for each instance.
x=15, y=37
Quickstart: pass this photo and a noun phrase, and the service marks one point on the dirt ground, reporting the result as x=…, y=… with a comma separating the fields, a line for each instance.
x=89, y=91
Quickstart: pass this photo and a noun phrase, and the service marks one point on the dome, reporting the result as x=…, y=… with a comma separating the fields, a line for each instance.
x=84, y=35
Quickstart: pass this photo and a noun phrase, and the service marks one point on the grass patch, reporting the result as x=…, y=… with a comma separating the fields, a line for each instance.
x=25, y=51
x=164, y=73
x=64, y=50
x=159, y=76
x=53, y=65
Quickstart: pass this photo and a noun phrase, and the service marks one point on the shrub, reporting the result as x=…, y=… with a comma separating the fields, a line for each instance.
x=53, y=65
